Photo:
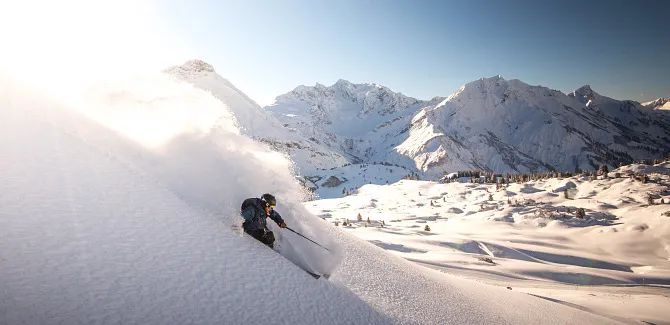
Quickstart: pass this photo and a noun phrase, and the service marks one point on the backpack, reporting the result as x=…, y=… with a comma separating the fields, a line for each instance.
x=247, y=203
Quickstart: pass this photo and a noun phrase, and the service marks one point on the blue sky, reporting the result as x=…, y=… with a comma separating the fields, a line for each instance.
x=430, y=48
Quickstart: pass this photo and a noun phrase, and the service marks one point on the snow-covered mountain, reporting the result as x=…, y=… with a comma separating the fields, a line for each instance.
x=363, y=121
x=490, y=124
x=325, y=130
x=502, y=125
x=346, y=135
x=253, y=121
x=659, y=103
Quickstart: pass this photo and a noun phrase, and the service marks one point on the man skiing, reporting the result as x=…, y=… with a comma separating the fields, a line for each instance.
x=255, y=211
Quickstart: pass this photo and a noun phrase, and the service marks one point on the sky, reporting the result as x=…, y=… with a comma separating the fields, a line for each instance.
x=420, y=48
x=431, y=48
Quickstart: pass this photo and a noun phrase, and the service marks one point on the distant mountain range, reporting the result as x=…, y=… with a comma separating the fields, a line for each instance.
x=490, y=124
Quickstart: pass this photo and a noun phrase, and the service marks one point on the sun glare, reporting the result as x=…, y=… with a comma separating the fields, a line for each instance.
x=70, y=49
x=66, y=45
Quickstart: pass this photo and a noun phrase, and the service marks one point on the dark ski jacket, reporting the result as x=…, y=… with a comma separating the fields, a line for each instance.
x=255, y=217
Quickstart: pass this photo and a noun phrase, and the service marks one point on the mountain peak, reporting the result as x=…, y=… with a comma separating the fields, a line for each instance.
x=585, y=89
x=482, y=86
x=497, y=79
x=190, y=68
x=342, y=82
x=585, y=95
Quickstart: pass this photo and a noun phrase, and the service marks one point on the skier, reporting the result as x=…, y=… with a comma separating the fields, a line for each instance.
x=255, y=211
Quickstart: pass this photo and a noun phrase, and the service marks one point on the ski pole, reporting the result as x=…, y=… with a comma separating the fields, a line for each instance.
x=301, y=235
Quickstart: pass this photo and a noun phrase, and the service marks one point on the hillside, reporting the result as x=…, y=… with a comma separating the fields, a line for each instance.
x=529, y=236
x=95, y=228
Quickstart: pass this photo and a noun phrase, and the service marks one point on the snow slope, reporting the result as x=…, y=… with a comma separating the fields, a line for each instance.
x=615, y=261
x=97, y=229
x=88, y=237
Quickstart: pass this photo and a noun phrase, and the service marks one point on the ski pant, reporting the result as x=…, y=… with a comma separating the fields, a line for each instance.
x=262, y=235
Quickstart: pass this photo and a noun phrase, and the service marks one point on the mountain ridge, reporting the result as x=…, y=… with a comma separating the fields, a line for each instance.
x=490, y=124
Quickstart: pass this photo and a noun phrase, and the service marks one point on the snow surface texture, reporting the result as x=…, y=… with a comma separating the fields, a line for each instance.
x=615, y=261
x=97, y=229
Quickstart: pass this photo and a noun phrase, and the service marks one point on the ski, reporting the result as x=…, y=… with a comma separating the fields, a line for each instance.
x=316, y=276
x=237, y=229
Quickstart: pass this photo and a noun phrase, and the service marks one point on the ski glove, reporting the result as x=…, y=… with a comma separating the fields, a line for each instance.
x=282, y=225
